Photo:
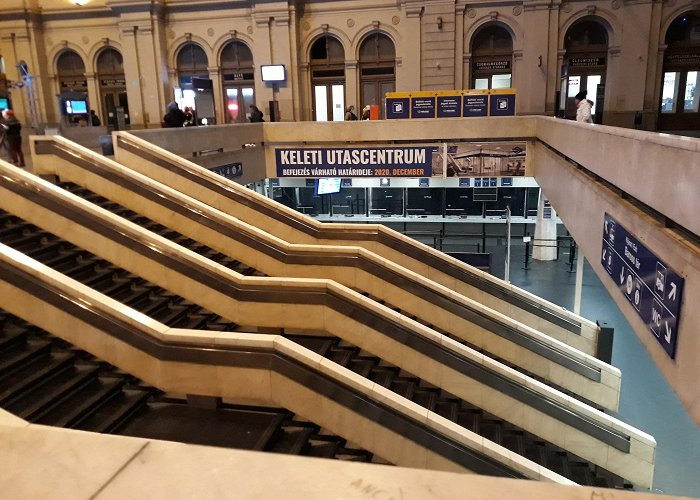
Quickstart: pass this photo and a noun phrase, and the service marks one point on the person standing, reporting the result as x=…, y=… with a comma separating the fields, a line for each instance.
x=174, y=117
x=365, y=112
x=256, y=116
x=13, y=137
x=350, y=114
x=583, y=107
x=94, y=119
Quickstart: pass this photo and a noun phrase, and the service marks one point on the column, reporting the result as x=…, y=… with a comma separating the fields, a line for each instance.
x=532, y=71
x=217, y=94
x=459, y=48
x=408, y=69
x=545, y=243
x=93, y=88
x=352, y=87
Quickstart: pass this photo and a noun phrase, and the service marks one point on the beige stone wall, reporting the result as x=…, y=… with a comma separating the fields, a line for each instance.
x=432, y=40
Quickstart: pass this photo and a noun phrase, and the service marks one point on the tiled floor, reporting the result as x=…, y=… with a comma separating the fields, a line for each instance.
x=647, y=401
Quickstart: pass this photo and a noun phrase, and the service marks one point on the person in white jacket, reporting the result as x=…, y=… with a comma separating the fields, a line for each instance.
x=583, y=107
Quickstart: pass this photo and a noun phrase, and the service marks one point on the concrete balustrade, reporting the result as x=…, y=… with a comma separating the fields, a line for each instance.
x=263, y=385
x=433, y=303
x=323, y=308
x=291, y=226
x=658, y=170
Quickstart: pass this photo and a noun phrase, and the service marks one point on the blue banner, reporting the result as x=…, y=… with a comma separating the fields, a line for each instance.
x=354, y=162
x=475, y=105
x=422, y=107
x=398, y=107
x=449, y=106
x=653, y=289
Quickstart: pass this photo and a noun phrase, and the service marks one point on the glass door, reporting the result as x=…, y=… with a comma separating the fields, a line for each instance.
x=238, y=101
x=577, y=83
x=329, y=102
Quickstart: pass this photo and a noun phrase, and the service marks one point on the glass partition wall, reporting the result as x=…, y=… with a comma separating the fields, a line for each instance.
x=411, y=202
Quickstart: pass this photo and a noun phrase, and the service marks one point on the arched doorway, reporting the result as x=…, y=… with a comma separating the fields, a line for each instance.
x=110, y=75
x=238, y=80
x=327, y=61
x=70, y=70
x=492, y=58
x=192, y=63
x=585, y=63
x=680, y=93
x=377, y=69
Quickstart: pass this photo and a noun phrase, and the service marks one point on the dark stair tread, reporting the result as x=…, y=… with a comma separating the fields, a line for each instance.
x=109, y=417
x=30, y=376
x=82, y=403
x=53, y=392
x=23, y=355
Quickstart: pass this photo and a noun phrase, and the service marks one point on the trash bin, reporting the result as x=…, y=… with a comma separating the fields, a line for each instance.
x=107, y=145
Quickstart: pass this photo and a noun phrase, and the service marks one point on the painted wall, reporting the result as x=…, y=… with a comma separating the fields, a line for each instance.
x=432, y=40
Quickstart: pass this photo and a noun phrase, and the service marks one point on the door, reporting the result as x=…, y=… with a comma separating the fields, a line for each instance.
x=238, y=101
x=111, y=100
x=373, y=92
x=329, y=102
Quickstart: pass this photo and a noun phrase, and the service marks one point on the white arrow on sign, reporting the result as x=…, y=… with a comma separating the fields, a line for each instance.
x=672, y=293
x=667, y=337
x=605, y=252
x=622, y=275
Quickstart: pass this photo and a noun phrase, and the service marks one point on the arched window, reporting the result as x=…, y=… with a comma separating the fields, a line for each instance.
x=238, y=80
x=377, y=69
x=113, y=96
x=492, y=57
x=680, y=94
x=191, y=62
x=585, y=63
x=70, y=69
x=327, y=61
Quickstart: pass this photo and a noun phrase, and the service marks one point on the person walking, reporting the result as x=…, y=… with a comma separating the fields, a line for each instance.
x=256, y=116
x=94, y=119
x=350, y=114
x=13, y=137
x=583, y=107
x=174, y=117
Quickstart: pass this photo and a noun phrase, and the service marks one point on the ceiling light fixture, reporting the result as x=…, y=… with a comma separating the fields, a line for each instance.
x=80, y=3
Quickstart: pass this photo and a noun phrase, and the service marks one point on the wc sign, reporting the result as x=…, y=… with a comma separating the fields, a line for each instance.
x=654, y=290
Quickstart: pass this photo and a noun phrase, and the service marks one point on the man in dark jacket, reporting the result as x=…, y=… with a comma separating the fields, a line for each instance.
x=13, y=137
x=174, y=117
x=256, y=115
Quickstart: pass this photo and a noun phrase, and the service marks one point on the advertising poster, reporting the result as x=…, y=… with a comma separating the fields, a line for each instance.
x=448, y=106
x=502, y=105
x=475, y=105
x=422, y=107
x=469, y=159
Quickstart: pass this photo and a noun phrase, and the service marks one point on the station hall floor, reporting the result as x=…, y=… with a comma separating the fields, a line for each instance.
x=647, y=400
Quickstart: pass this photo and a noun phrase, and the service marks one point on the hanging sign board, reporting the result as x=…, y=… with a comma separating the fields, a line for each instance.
x=653, y=289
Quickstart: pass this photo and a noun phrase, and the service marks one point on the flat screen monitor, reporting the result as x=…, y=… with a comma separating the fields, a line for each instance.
x=330, y=185
x=4, y=104
x=272, y=73
x=76, y=107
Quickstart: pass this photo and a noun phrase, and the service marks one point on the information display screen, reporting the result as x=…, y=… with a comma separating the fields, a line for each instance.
x=272, y=73
x=327, y=186
x=76, y=107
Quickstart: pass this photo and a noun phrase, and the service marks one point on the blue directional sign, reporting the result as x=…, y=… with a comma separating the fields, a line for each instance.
x=230, y=170
x=653, y=289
